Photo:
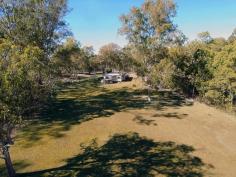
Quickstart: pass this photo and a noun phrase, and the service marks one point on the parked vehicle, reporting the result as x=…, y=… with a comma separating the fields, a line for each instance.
x=112, y=78
x=126, y=77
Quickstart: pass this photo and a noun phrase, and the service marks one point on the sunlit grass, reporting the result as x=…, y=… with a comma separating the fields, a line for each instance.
x=87, y=110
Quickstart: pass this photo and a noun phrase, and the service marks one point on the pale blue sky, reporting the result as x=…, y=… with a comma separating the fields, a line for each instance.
x=96, y=22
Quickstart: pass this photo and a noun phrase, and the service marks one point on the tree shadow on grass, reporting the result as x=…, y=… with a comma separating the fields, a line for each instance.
x=87, y=100
x=18, y=165
x=130, y=156
x=164, y=99
x=171, y=115
x=144, y=121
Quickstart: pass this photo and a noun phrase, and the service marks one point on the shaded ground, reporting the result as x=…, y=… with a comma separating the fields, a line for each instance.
x=87, y=100
x=171, y=137
x=130, y=155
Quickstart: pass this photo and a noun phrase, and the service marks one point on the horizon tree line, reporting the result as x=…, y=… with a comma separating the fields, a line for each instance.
x=37, y=49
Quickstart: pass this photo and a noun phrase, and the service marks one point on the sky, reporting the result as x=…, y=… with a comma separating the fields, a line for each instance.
x=96, y=22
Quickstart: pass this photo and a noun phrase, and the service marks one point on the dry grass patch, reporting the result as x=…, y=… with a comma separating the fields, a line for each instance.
x=106, y=115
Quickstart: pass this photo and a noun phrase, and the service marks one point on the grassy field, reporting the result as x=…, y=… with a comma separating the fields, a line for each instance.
x=95, y=130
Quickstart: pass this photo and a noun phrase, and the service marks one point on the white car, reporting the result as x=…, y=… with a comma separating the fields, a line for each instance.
x=112, y=78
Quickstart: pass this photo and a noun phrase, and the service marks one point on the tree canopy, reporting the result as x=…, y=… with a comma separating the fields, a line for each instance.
x=33, y=22
x=30, y=32
x=150, y=30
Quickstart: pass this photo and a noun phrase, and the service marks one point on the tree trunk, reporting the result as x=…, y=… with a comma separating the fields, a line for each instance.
x=8, y=162
x=193, y=93
x=232, y=99
x=149, y=97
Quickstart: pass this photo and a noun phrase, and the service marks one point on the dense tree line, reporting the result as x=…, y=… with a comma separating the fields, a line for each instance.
x=204, y=68
x=71, y=58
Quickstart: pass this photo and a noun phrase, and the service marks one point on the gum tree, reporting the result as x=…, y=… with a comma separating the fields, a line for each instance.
x=150, y=30
x=30, y=31
x=34, y=22
x=20, y=91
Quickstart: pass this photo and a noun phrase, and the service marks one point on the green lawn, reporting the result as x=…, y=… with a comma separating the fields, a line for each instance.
x=95, y=130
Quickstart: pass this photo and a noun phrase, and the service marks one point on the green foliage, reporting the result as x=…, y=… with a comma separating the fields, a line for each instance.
x=8, y=123
x=30, y=31
x=232, y=37
x=66, y=57
x=33, y=22
x=113, y=57
x=205, y=37
x=71, y=58
x=207, y=70
x=127, y=62
x=163, y=74
x=222, y=88
x=24, y=84
x=190, y=67
x=24, y=76
x=150, y=31
x=110, y=56
x=205, y=67
x=150, y=24
x=87, y=59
